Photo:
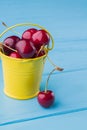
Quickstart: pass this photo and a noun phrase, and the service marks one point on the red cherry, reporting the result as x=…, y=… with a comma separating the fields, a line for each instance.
x=15, y=55
x=28, y=33
x=10, y=41
x=46, y=99
x=41, y=37
x=25, y=48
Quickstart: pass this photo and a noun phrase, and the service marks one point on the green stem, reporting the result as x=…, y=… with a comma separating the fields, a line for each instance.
x=41, y=48
x=46, y=86
x=3, y=23
x=1, y=46
x=9, y=48
x=57, y=68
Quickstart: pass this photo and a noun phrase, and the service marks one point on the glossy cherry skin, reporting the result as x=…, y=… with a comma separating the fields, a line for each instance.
x=46, y=99
x=15, y=55
x=25, y=48
x=41, y=37
x=10, y=41
x=28, y=33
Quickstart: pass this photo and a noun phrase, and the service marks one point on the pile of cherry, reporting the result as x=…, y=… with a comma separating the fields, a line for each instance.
x=28, y=46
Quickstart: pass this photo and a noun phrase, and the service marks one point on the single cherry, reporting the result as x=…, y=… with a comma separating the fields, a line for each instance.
x=46, y=99
x=41, y=37
x=10, y=42
x=25, y=48
x=28, y=33
x=15, y=55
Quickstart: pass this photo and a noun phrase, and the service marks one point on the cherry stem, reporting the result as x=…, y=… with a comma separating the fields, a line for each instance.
x=57, y=67
x=46, y=86
x=9, y=48
x=1, y=46
x=41, y=48
x=4, y=24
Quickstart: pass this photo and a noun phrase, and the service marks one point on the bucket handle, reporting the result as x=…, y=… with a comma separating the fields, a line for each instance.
x=30, y=24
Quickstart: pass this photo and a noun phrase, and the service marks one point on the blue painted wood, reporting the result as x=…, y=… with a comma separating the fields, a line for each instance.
x=69, y=121
x=67, y=22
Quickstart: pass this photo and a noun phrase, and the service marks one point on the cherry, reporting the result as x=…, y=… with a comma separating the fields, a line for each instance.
x=28, y=33
x=25, y=48
x=15, y=55
x=46, y=99
x=10, y=42
x=41, y=37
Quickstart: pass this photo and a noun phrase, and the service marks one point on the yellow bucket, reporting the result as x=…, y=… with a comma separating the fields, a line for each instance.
x=22, y=77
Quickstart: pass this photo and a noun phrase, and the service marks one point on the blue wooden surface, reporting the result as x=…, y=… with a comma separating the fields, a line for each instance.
x=71, y=121
x=67, y=22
